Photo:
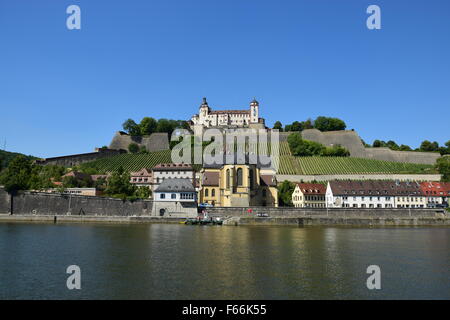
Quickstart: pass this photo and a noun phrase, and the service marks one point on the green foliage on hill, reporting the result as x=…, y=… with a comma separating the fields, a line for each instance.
x=22, y=174
x=129, y=162
x=443, y=166
x=321, y=123
x=301, y=147
x=150, y=125
x=6, y=157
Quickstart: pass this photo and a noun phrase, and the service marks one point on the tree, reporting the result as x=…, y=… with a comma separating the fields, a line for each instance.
x=378, y=144
x=133, y=148
x=428, y=146
x=296, y=126
x=119, y=185
x=278, y=126
x=147, y=126
x=335, y=151
x=17, y=175
x=143, y=192
x=285, y=190
x=404, y=147
x=308, y=124
x=131, y=127
x=329, y=124
x=443, y=166
x=143, y=149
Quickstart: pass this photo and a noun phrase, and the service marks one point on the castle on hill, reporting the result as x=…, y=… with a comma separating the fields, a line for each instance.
x=207, y=118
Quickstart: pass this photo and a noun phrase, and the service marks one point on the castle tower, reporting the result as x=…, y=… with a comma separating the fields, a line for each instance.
x=254, y=111
x=203, y=112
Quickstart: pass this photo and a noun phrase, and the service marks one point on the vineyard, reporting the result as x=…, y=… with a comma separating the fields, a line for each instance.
x=130, y=162
x=288, y=164
x=346, y=165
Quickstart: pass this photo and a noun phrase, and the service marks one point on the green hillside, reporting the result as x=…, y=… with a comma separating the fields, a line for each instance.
x=288, y=164
x=347, y=165
x=6, y=157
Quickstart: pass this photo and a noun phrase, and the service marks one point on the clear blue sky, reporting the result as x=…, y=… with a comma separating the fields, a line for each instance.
x=64, y=92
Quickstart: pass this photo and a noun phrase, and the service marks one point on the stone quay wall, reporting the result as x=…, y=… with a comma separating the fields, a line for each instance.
x=287, y=212
x=30, y=203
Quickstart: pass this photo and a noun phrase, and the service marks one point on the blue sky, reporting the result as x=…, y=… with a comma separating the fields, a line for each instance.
x=64, y=92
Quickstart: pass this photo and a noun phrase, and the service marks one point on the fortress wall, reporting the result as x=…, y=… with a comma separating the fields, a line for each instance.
x=402, y=156
x=155, y=142
x=5, y=201
x=330, y=177
x=56, y=204
x=76, y=159
x=351, y=141
x=347, y=139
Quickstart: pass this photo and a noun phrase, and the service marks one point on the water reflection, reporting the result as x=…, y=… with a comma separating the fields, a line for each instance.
x=197, y=262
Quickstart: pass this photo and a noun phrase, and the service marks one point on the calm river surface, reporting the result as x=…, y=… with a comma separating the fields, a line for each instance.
x=163, y=261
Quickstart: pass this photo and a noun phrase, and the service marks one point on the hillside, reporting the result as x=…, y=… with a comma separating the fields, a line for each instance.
x=6, y=157
x=347, y=165
x=288, y=164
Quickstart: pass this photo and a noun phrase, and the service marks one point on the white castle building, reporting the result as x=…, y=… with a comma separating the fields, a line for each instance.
x=207, y=118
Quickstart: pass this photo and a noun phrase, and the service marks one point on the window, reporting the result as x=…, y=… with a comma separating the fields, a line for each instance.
x=228, y=178
x=174, y=196
x=213, y=192
x=206, y=193
x=239, y=177
x=162, y=196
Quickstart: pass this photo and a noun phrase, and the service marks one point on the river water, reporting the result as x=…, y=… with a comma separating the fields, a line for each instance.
x=164, y=261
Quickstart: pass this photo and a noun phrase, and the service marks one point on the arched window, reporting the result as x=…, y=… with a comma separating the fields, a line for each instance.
x=213, y=192
x=239, y=177
x=206, y=192
x=228, y=178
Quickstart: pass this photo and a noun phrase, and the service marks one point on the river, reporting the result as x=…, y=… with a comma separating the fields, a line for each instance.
x=171, y=261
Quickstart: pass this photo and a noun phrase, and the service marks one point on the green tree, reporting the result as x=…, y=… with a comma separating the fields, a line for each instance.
x=131, y=127
x=285, y=190
x=119, y=185
x=143, y=192
x=147, y=126
x=278, y=126
x=428, y=146
x=378, y=144
x=133, y=148
x=329, y=124
x=17, y=175
x=335, y=151
x=443, y=166
x=300, y=147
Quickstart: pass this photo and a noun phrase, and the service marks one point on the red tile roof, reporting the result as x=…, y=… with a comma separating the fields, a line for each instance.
x=312, y=188
x=435, y=188
x=173, y=167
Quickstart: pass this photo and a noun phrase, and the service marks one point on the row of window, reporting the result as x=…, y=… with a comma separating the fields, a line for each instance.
x=182, y=196
x=309, y=198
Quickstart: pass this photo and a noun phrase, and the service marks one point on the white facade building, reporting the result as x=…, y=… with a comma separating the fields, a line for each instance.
x=164, y=171
x=227, y=118
x=175, y=197
x=359, y=194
